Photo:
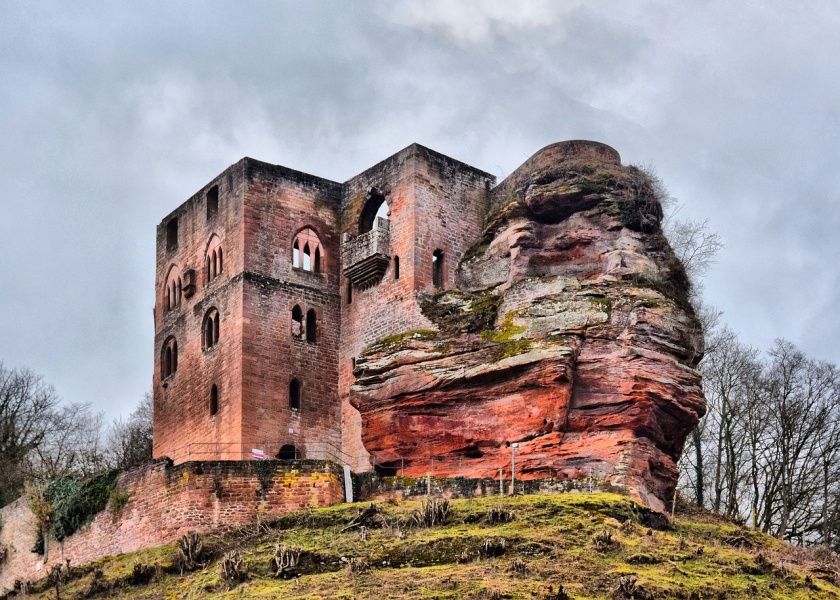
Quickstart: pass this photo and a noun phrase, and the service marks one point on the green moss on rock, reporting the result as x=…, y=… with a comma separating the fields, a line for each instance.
x=461, y=312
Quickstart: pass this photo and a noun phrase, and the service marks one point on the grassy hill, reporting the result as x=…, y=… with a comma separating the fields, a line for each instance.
x=598, y=545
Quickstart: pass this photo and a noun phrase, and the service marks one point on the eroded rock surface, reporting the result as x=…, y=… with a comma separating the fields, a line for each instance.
x=570, y=334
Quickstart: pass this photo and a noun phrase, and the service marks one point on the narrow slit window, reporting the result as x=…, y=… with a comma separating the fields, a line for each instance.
x=212, y=202
x=210, y=329
x=396, y=267
x=214, y=400
x=294, y=394
x=349, y=292
x=172, y=234
x=169, y=358
x=437, y=268
x=311, y=326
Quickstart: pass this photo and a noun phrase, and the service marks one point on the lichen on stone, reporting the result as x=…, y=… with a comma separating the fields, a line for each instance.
x=461, y=312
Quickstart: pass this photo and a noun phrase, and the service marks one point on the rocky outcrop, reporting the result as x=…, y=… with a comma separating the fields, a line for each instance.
x=570, y=334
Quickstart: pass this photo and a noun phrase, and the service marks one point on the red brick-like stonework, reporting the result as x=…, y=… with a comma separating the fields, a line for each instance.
x=165, y=502
x=569, y=335
x=585, y=355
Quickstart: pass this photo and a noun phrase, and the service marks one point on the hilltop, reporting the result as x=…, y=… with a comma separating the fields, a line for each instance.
x=583, y=545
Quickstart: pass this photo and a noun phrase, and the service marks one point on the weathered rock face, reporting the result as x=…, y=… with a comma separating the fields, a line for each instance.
x=570, y=334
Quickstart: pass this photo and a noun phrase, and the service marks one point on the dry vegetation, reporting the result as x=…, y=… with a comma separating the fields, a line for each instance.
x=545, y=547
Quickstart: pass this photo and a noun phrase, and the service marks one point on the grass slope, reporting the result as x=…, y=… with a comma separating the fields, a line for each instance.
x=549, y=545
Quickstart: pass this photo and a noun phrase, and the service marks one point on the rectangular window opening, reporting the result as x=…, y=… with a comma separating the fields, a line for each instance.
x=212, y=202
x=172, y=234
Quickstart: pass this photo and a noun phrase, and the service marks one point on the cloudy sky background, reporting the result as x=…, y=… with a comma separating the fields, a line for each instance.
x=111, y=115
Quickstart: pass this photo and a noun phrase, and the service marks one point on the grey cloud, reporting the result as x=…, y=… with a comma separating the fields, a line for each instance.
x=112, y=114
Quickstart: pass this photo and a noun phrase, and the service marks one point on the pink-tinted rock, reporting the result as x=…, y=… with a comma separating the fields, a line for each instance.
x=571, y=335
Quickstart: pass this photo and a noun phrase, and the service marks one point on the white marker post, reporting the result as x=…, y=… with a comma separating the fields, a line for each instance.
x=513, y=448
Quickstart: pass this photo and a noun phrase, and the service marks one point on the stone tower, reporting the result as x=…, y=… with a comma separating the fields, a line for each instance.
x=270, y=282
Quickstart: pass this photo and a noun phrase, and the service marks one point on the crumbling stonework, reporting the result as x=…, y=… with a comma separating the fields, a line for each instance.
x=165, y=502
x=587, y=361
x=431, y=333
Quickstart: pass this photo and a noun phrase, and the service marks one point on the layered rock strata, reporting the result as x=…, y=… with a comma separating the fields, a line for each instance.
x=570, y=334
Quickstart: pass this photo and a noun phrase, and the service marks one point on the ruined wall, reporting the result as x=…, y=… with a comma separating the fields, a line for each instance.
x=279, y=203
x=182, y=401
x=570, y=335
x=434, y=202
x=165, y=502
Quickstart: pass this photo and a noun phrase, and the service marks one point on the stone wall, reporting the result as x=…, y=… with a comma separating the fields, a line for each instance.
x=280, y=203
x=182, y=400
x=167, y=501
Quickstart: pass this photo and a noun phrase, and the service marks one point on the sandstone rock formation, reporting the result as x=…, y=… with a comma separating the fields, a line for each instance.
x=570, y=334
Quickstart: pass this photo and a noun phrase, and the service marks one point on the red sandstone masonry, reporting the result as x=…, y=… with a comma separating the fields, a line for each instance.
x=435, y=202
x=168, y=501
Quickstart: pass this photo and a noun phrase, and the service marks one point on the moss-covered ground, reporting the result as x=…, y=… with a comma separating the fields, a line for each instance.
x=549, y=545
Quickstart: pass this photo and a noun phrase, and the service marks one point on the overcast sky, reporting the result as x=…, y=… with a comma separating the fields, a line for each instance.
x=112, y=115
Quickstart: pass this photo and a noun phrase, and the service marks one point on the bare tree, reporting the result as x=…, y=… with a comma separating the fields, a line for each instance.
x=72, y=446
x=696, y=245
x=129, y=442
x=28, y=407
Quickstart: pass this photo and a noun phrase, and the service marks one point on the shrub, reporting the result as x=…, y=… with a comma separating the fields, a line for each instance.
x=141, y=574
x=357, y=565
x=285, y=561
x=560, y=594
x=434, y=511
x=518, y=567
x=117, y=500
x=190, y=554
x=74, y=503
x=628, y=589
x=498, y=515
x=603, y=541
x=494, y=547
x=233, y=567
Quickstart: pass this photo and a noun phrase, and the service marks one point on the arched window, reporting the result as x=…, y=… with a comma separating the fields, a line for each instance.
x=214, y=400
x=213, y=259
x=288, y=452
x=307, y=258
x=306, y=246
x=297, y=322
x=311, y=326
x=172, y=291
x=396, y=267
x=168, y=358
x=375, y=208
x=437, y=268
x=210, y=329
x=294, y=394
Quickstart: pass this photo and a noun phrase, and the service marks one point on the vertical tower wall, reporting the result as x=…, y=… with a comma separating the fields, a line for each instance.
x=434, y=202
x=280, y=203
x=183, y=425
